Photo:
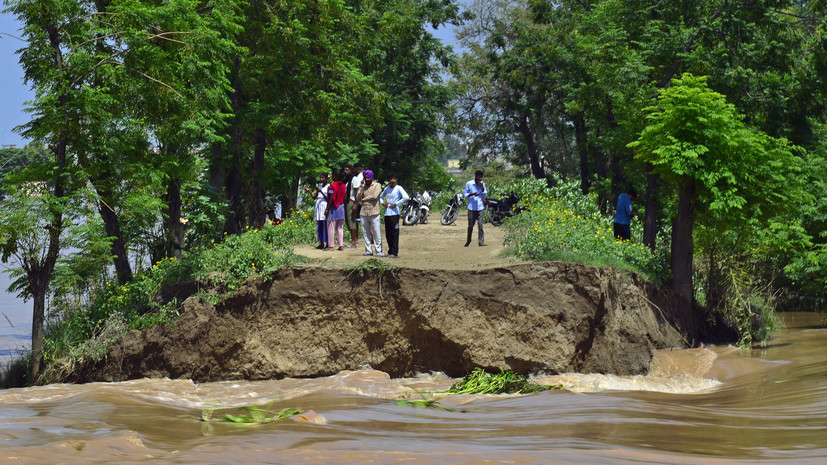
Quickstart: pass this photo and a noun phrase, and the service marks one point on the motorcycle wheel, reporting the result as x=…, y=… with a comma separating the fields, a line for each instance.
x=448, y=217
x=423, y=217
x=411, y=217
x=496, y=219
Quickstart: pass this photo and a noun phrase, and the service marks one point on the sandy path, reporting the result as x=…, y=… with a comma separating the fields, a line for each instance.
x=427, y=246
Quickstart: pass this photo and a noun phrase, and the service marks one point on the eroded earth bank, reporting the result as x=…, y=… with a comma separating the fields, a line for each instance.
x=314, y=321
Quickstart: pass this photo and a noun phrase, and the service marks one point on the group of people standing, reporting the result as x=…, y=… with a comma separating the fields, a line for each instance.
x=353, y=197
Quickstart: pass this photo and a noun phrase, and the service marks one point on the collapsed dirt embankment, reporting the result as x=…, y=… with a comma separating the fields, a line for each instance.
x=307, y=322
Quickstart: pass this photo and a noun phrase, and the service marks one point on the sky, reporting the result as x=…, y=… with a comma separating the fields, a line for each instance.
x=13, y=93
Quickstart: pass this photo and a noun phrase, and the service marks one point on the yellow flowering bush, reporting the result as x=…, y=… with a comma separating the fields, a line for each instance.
x=563, y=224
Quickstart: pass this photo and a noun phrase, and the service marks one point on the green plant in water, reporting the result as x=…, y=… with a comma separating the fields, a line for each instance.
x=506, y=382
x=254, y=415
x=207, y=411
x=423, y=402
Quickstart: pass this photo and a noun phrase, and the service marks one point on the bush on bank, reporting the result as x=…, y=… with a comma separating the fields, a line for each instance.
x=563, y=224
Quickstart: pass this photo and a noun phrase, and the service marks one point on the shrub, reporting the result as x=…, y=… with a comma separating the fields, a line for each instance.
x=83, y=329
x=563, y=224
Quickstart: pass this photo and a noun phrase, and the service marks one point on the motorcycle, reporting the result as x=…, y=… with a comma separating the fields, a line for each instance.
x=424, y=207
x=504, y=207
x=416, y=209
x=451, y=211
x=410, y=211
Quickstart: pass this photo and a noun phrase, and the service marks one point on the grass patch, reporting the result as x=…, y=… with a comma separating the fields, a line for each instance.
x=370, y=267
x=505, y=382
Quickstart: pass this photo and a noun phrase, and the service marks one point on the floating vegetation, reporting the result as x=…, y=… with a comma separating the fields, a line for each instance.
x=254, y=415
x=423, y=402
x=506, y=382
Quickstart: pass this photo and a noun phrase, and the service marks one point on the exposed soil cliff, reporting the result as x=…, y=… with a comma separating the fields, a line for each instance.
x=313, y=321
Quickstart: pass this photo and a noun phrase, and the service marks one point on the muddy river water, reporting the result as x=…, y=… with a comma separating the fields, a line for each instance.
x=708, y=406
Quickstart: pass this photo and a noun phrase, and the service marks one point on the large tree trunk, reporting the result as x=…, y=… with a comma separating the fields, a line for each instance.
x=258, y=214
x=175, y=228
x=112, y=228
x=38, y=317
x=530, y=139
x=650, y=219
x=40, y=274
x=682, y=244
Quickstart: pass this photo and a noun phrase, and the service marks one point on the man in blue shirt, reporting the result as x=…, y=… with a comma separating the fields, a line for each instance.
x=476, y=193
x=392, y=198
x=624, y=214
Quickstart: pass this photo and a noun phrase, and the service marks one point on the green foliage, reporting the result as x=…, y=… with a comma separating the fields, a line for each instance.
x=16, y=372
x=370, y=267
x=80, y=329
x=693, y=133
x=17, y=159
x=257, y=252
x=563, y=224
x=506, y=382
x=254, y=416
x=422, y=402
x=749, y=309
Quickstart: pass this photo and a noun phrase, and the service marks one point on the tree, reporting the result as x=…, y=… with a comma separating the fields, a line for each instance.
x=408, y=64
x=33, y=221
x=719, y=168
x=506, y=78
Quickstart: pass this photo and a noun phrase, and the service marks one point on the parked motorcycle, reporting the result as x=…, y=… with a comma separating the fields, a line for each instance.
x=416, y=209
x=451, y=211
x=410, y=211
x=424, y=207
x=504, y=207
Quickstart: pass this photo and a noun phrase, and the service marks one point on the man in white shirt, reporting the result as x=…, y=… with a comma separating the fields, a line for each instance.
x=392, y=198
x=352, y=206
x=476, y=194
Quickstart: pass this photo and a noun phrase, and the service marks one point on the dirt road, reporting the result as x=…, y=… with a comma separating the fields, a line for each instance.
x=427, y=246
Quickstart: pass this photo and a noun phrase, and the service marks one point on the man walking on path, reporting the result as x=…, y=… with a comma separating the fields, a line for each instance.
x=624, y=214
x=392, y=197
x=352, y=207
x=476, y=194
x=368, y=194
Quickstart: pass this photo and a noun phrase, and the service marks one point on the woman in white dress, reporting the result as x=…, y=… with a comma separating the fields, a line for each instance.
x=321, y=205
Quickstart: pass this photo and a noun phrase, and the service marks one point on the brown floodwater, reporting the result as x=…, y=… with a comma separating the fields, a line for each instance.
x=700, y=406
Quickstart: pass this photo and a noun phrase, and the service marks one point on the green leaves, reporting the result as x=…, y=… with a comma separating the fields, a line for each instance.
x=506, y=382
x=694, y=133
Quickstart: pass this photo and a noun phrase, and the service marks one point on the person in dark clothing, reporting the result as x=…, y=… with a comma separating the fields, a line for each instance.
x=624, y=214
